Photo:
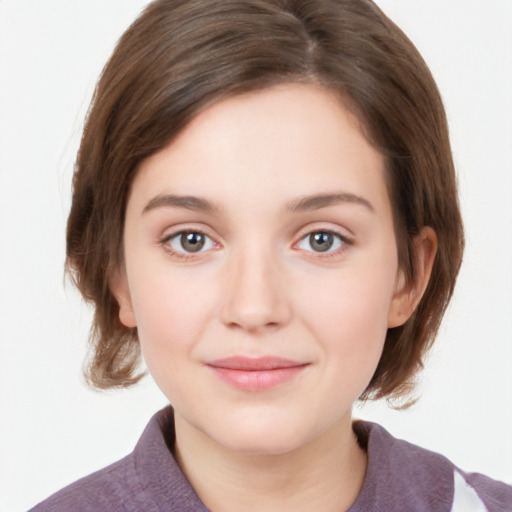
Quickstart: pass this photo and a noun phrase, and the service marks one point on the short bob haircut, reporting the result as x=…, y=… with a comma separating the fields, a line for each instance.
x=179, y=57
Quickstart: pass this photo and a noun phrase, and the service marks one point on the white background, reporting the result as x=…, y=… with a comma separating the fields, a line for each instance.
x=52, y=428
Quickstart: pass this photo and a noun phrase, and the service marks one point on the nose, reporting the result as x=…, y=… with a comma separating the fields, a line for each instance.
x=255, y=293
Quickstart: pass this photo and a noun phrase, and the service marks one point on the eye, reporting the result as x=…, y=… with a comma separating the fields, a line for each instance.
x=322, y=241
x=189, y=242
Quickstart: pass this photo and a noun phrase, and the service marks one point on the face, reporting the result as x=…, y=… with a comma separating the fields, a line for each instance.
x=261, y=268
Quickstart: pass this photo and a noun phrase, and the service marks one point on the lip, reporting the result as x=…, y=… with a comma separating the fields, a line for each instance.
x=256, y=374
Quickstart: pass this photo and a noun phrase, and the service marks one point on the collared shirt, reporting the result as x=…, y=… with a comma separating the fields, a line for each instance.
x=401, y=477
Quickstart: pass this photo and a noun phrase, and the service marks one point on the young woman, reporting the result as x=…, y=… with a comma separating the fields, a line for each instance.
x=265, y=208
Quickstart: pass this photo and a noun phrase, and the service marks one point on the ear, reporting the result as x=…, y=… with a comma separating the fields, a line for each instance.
x=120, y=290
x=407, y=296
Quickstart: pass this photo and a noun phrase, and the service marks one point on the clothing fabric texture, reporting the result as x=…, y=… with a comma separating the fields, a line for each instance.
x=401, y=477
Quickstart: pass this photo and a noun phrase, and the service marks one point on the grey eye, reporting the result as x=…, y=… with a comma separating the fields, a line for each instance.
x=321, y=241
x=190, y=242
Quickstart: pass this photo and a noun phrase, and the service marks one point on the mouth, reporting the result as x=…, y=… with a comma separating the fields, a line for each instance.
x=256, y=374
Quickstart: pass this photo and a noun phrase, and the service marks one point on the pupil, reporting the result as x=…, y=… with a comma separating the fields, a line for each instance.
x=321, y=242
x=192, y=242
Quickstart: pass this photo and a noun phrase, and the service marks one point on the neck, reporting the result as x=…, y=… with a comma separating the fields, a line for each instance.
x=325, y=474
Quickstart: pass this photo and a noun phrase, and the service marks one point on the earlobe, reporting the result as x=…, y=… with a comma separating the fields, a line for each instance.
x=407, y=295
x=120, y=290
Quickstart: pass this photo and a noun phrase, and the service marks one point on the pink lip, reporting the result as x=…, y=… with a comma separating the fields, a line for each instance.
x=256, y=374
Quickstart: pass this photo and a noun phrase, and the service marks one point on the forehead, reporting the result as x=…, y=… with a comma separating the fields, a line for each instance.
x=283, y=142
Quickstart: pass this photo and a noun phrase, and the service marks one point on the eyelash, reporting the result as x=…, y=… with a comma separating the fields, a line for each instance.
x=344, y=243
x=185, y=256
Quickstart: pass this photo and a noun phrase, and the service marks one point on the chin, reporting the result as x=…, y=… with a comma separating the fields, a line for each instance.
x=257, y=437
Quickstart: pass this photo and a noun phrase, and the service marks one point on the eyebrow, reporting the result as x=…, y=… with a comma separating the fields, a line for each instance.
x=302, y=204
x=186, y=202
x=318, y=201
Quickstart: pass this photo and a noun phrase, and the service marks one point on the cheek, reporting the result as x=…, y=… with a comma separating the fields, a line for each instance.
x=172, y=312
x=172, y=315
x=349, y=315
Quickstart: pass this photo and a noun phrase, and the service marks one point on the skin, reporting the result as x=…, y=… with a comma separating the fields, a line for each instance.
x=259, y=287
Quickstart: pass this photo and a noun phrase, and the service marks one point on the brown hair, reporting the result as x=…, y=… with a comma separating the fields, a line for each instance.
x=179, y=57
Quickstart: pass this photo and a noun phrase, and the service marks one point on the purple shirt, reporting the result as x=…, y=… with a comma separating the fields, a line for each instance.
x=401, y=477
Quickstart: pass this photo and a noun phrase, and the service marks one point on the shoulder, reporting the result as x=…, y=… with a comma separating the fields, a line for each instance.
x=403, y=476
x=115, y=487
x=149, y=479
x=497, y=496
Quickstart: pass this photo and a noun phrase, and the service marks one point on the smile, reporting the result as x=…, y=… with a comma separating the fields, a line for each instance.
x=256, y=374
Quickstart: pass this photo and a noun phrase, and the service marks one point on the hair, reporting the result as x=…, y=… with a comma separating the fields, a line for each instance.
x=179, y=57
